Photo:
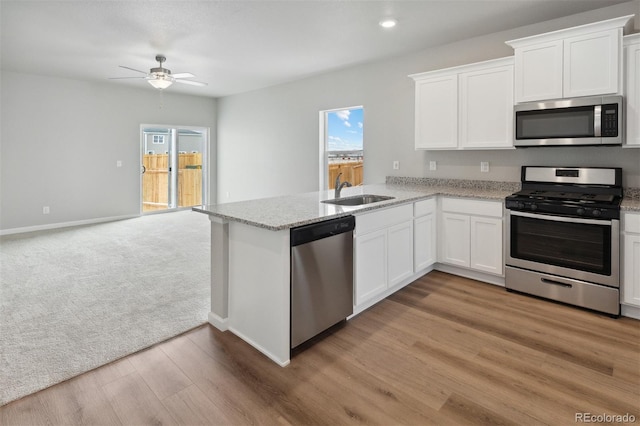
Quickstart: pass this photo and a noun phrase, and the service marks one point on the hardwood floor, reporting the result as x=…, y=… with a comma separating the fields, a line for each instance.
x=445, y=350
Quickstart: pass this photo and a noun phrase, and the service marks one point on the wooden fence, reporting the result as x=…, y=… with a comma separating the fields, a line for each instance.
x=155, y=181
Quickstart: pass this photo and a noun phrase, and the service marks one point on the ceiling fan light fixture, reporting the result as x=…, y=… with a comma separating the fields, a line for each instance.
x=160, y=82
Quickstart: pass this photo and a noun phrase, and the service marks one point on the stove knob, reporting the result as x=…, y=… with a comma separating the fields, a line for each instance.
x=521, y=205
x=533, y=207
x=596, y=213
x=580, y=212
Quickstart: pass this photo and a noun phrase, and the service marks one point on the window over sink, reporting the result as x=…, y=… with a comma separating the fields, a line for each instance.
x=341, y=146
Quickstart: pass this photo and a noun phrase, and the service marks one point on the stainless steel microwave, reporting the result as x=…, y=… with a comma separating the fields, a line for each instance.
x=578, y=121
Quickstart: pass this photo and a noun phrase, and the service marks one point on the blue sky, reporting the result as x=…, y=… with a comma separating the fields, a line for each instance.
x=344, y=130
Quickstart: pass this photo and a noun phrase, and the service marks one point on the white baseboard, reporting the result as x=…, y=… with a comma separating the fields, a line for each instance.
x=468, y=273
x=64, y=224
x=267, y=353
x=630, y=311
x=218, y=322
x=357, y=309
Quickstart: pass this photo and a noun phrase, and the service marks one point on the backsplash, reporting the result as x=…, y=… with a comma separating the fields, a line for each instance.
x=457, y=183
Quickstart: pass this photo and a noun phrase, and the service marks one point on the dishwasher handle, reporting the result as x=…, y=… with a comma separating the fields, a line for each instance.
x=316, y=231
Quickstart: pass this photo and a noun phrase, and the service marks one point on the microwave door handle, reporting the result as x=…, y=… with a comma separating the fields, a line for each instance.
x=597, y=121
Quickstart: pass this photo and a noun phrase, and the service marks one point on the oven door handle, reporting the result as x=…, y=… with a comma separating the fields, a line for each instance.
x=561, y=218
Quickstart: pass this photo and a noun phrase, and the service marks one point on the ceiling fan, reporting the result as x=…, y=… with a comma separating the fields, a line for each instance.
x=160, y=77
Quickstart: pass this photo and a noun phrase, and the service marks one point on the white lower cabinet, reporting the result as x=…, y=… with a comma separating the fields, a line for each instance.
x=471, y=234
x=399, y=252
x=383, y=251
x=424, y=234
x=486, y=245
x=396, y=245
x=456, y=239
x=631, y=259
x=371, y=264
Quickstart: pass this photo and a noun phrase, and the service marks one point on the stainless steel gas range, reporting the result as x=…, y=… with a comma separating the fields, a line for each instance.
x=563, y=232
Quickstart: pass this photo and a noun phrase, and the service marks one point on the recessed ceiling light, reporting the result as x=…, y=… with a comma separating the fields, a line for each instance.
x=388, y=23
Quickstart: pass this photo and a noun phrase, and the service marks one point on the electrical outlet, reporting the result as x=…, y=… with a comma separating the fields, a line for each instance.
x=484, y=166
x=396, y=165
x=45, y=210
x=119, y=163
x=432, y=165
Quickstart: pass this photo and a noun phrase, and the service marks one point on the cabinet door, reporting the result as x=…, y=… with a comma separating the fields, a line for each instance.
x=486, y=245
x=632, y=92
x=371, y=265
x=486, y=108
x=400, y=252
x=437, y=113
x=538, y=71
x=591, y=63
x=424, y=241
x=631, y=270
x=455, y=239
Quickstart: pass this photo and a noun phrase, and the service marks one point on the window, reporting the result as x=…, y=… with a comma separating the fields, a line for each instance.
x=343, y=146
x=158, y=139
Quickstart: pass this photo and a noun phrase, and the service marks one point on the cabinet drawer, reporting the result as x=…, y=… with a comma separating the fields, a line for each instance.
x=631, y=222
x=421, y=208
x=472, y=207
x=383, y=218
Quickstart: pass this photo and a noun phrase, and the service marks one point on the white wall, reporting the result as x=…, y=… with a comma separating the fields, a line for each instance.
x=268, y=139
x=61, y=138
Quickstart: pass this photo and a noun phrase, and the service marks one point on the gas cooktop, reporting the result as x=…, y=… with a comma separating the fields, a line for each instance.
x=594, y=192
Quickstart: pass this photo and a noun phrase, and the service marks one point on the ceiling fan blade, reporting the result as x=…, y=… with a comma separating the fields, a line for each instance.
x=191, y=82
x=122, y=78
x=133, y=69
x=182, y=75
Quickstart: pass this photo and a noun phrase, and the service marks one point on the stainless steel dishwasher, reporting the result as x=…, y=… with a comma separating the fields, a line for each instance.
x=321, y=277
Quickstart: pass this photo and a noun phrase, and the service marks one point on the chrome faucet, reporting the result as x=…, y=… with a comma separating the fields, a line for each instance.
x=339, y=186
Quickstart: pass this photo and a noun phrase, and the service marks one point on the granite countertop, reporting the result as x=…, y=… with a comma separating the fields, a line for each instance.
x=631, y=200
x=279, y=213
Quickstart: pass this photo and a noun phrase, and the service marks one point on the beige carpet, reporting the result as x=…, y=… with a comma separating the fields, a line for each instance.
x=77, y=298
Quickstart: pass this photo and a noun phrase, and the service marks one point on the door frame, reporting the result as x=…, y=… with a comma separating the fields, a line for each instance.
x=206, y=131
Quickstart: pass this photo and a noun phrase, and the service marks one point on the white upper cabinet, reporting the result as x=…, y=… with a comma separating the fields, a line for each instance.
x=538, y=70
x=465, y=107
x=632, y=89
x=579, y=61
x=437, y=112
x=591, y=64
x=486, y=108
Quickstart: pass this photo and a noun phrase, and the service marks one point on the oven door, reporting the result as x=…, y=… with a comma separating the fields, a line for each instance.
x=582, y=249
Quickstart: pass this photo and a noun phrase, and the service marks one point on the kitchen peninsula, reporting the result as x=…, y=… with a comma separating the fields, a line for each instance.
x=250, y=253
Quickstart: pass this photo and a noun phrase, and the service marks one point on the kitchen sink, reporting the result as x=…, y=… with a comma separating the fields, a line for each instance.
x=358, y=200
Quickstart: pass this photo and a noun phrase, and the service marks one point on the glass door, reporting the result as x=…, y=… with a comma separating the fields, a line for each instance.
x=173, y=167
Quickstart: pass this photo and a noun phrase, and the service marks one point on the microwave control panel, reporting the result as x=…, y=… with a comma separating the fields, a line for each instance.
x=609, y=126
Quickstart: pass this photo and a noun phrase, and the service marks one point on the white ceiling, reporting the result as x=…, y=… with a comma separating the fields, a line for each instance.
x=236, y=45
